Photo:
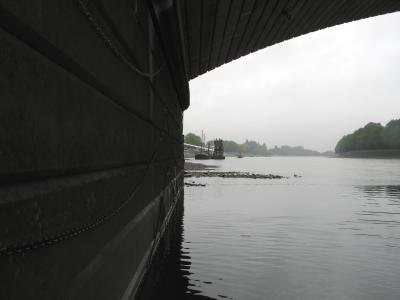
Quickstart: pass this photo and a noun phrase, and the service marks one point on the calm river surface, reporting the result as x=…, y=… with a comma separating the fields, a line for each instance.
x=334, y=233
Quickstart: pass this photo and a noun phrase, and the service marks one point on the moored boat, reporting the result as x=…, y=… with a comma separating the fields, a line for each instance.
x=201, y=155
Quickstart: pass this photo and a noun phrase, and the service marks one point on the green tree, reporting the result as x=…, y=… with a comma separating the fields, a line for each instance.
x=253, y=147
x=372, y=136
x=391, y=134
x=249, y=147
x=231, y=146
x=191, y=138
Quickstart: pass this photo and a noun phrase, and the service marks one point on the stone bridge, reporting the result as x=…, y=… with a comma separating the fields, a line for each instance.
x=91, y=149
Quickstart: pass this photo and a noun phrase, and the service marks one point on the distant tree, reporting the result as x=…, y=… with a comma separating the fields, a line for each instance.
x=248, y=147
x=253, y=147
x=372, y=136
x=346, y=143
x=391, y=134
x=191, y=138
x=231, y=146
x=292, y=151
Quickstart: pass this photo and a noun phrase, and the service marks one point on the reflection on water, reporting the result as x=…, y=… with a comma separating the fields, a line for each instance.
x=332, y=234
x=169, y=275
x=381, y=208
x=381, y=192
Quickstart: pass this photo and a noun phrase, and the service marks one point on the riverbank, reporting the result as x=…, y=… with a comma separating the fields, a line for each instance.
x=391, y=153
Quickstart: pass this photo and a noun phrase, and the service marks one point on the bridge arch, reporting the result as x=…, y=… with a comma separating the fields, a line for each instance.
x=217, y=32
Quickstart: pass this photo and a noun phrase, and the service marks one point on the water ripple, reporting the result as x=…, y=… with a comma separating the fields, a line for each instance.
x=334, y=234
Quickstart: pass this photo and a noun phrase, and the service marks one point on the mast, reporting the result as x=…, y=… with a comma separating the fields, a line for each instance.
x=201, y=145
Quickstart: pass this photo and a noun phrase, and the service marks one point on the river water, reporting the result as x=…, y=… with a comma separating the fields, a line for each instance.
x=333, y=233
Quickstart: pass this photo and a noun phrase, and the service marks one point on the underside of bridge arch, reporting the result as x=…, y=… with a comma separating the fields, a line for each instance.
x=216, y=32
x=91, y=149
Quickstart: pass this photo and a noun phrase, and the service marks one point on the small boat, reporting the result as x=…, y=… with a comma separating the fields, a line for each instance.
x=201, y=155
x=240, y=155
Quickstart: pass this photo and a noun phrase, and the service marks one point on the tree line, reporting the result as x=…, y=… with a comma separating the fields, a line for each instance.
x=372, y=136
x=231, y=146
x=250, y=147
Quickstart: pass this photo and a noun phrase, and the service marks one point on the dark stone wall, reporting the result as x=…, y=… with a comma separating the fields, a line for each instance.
x=89, y=144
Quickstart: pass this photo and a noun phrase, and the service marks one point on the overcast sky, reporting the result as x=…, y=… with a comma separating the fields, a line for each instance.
x=308, y=91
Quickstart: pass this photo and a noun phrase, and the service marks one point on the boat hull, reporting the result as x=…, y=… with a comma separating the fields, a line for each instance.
x=201, y=156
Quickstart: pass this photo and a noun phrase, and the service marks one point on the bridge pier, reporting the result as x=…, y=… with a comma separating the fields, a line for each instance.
x=91, y=148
